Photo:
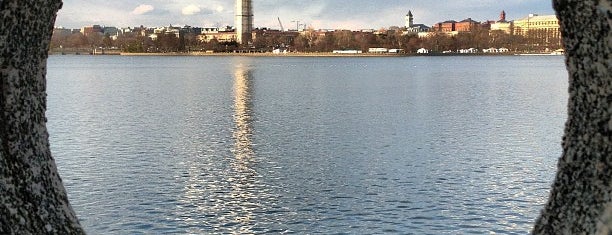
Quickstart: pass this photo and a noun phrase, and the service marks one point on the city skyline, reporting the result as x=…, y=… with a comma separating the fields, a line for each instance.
x=313, y=13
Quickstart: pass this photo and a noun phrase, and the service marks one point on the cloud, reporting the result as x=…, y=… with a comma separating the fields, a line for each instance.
x=317, y=13
x=220, y=9
x=191, y=10
x=143, y=9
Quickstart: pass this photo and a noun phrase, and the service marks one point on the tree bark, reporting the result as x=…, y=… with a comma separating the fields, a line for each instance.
x=581, y=197
x=32, y=197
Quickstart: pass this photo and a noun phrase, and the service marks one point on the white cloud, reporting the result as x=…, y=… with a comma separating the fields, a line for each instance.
x=316, y=13
x=143, y=9
x=220, y=9
x=191, y=10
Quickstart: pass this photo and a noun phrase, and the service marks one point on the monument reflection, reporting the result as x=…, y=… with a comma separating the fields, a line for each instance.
x=224, y=193
x=243, y=182
x=243, y=114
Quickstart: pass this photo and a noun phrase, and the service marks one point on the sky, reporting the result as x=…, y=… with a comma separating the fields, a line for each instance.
x=319, y=14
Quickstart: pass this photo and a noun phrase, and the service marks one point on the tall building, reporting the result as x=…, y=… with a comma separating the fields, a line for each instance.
x=412, y=28
x=244, y=21
x=409, y=19
x=543, y=29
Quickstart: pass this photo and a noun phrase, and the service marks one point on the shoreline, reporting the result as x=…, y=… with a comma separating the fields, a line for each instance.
x=294, y=54
x=305, y=54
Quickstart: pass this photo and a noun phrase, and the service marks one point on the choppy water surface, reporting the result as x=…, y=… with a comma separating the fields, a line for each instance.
x=416, y=145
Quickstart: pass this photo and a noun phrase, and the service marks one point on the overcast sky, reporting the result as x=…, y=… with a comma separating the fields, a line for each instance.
x=337, y=14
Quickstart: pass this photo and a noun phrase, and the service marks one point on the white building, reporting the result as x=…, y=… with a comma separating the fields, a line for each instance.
x=468, y=51
x=422, y=51
x=412, y=28
x=347, y=52
x=490, y=50
x=378, y=50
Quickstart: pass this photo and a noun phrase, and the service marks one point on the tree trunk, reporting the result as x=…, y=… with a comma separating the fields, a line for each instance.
x=581, y=197
x=32, y=197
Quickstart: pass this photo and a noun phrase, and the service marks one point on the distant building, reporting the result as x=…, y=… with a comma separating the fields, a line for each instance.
x=143, y=31
x=282, y=50
x=208, y=30
x=378, y=50
x=422, y=51
x=89, y=30
x=502, y=24
x=543, y=30
x=466, y=25
x=62, y=32
x=126, y=30
x=191, y=30
x=284, y=37
x=170, y=30
x=446, y=26
x=548, y=24
x=412, y=28
x=490, y=50
x=112, y=32
x=321, y=33
x=468, y=51
x=452, y=27
x=425, y=34
x=227, y=34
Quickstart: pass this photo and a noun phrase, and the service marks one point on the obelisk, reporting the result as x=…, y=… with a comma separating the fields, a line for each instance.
x=244, y=21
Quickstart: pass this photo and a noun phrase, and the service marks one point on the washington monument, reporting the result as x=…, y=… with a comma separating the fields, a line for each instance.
x=244, y=21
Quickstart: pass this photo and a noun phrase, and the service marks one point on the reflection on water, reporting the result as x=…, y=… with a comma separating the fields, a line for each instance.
x=243, y=146
x=244, y=180
x=224, y=193
x=230, y=145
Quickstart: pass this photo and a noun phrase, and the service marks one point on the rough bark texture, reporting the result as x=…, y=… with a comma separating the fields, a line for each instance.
x=32, y=197
x=581, y=198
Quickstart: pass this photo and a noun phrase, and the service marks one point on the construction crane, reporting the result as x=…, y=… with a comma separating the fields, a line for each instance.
x=281, y=24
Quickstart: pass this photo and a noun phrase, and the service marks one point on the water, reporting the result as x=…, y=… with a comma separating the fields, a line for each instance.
x=415, y=145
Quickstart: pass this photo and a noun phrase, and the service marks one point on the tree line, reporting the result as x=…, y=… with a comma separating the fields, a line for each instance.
x=310, y=41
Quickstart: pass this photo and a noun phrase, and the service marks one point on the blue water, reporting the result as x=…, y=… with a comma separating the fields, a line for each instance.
x=207, y=145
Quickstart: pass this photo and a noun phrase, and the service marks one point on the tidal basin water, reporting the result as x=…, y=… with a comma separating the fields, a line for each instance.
x=221, y=145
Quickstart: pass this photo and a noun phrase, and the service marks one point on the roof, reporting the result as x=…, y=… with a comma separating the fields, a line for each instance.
x=539, y=18
x=422, y=26
x=469, y=20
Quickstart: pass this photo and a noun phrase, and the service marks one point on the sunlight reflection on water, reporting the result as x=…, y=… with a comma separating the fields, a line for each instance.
x=199, y=145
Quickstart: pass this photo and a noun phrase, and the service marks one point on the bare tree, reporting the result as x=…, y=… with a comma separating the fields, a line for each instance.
x=32, y=197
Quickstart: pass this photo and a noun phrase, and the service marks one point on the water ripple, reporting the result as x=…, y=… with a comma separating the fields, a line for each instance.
x=306, y=145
